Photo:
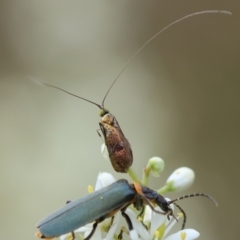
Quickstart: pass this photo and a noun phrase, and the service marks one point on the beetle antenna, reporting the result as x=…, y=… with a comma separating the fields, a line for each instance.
x=158, y=33
x=184, y=215
x=49, y=85
x=195, y=195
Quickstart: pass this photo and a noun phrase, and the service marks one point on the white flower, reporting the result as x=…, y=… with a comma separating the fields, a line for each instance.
x=104, y=179
x=181, y=179
x=156, y=223
x=159, y=226
x=154, y=226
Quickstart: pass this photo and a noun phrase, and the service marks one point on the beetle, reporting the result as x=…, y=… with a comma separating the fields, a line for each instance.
x=103, y=204
x=119, y=148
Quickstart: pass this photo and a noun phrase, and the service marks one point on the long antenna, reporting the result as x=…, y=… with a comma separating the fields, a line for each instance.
x=134, y=55
x=195, y=195
x=158, y=33
x=49, y=85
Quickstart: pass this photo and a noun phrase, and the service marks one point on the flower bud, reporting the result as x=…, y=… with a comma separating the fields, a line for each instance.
x=155, y=166
x=181, y=179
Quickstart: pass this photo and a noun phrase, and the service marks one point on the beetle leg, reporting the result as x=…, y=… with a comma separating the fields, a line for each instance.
x=140, y=206
x=94, y=227
x=140, y=218
x=128, y=220
x=111, y=223
x=120, y=235
x=73, y=235
x=141, y=212
x=93, y=230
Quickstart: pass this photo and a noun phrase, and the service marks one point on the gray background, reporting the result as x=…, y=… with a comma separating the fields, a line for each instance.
x=178, y=99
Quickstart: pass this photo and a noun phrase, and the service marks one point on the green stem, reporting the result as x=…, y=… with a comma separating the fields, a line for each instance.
x=146, y=176
x=133, y=175
x=163, y=190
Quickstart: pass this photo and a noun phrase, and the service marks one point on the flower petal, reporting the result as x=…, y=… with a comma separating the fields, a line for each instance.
x=147, y=215
x=133, y=235
x=157, y=220
x=170, y=225
x=186, y=234
x=113, y=227
x=137, y=226
x=104, y=179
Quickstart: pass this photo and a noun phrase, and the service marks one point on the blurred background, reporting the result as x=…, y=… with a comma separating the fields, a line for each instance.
x=178, y=99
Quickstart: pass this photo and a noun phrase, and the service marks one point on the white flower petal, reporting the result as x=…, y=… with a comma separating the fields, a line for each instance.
x=104, y=179
x=147, y=215
x=133, y=235
x=157, y=220
x=190, y=235
x=86, y=230
x=88, y=227
x=137, y=226
x=170, y=225
x=113, y=227
x=64, y=236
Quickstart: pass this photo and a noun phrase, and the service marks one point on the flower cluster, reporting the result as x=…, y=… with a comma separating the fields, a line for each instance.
x=152, y=226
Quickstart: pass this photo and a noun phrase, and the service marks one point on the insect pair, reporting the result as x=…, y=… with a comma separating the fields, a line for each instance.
x=118, y=196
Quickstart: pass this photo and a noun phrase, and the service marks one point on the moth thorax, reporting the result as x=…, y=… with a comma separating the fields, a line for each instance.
x=108, y=119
